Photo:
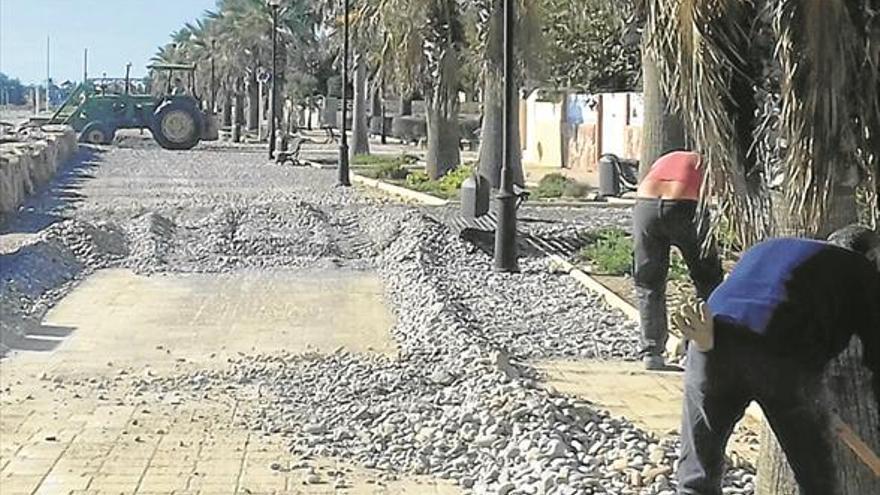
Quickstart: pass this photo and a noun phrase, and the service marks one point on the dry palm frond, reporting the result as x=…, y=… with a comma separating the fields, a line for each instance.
x=829, y=53
x=818, y=46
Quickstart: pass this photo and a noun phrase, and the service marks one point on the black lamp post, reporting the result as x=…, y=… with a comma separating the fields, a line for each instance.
x=213, y=78
x=344, y=179
x=505, y=233
x=273, y=106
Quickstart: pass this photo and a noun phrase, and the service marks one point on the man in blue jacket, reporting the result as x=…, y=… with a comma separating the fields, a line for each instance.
x=766, y=334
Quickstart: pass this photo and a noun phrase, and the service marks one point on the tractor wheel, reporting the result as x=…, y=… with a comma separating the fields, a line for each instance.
x=177, y=125
x=97, y=133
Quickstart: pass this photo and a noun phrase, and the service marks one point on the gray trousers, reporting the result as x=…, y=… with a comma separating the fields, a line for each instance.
x=659, y=224
x=721, y=383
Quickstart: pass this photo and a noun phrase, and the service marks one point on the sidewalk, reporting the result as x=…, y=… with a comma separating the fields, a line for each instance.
x=67, y=423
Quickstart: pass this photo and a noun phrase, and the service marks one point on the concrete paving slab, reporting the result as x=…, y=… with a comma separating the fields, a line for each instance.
x=651, y=400
x=55, y=441
x=117, y=319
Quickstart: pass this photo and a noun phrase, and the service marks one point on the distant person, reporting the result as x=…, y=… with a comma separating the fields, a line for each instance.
x=767, y=333
x=178, y=89
x=665, y=215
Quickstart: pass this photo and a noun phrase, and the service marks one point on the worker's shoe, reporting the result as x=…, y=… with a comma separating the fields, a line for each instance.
x=694, y=320
x=654, y=362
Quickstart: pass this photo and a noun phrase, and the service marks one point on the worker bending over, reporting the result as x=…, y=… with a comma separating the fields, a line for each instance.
x=767, y=333
x=665, y=215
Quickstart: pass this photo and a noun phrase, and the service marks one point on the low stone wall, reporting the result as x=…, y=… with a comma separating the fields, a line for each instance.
x=27, y=162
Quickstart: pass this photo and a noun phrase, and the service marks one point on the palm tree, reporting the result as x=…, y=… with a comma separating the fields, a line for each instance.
x=782, y=98
x=423, y=41
x=490, y=46
x=239, y=37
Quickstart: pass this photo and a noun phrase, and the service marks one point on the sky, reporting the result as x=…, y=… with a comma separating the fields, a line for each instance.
x=115, y=32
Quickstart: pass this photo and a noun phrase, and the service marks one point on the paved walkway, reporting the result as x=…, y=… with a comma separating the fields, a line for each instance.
x=651, y=400
x=64, y=427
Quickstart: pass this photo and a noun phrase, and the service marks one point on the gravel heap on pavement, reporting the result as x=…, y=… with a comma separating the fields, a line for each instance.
x=458, y=401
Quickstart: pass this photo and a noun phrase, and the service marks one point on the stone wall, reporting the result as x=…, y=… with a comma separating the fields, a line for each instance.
x=29, y=161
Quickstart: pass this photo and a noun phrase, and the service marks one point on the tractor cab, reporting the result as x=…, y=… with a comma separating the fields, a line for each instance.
x=98, y=108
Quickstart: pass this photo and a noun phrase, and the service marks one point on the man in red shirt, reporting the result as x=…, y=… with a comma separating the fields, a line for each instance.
x=665, y=215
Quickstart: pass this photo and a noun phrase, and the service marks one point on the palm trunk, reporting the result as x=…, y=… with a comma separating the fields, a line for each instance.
x=227, y=106
x=405, y=105
x=492, y=132
x=662, y=131
x=443, y=137
x=360, y=144
x=253, y=104
x=848, y=392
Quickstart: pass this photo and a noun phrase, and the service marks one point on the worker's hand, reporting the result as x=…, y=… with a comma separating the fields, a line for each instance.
x=694, y=320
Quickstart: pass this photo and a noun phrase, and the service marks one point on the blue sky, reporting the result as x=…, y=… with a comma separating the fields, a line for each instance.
x=116, y=32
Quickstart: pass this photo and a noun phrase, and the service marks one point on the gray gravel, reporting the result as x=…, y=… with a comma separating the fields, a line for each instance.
x=457, y=402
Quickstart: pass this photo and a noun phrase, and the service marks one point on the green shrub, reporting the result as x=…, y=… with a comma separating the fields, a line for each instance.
x=551, y=186
x=609, y=251
x=451, y=183
x=370, y=160
x=416, y=179
x=445, y=187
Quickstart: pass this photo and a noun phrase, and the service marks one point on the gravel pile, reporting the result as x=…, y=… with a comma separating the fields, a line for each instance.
x=453, y=404
x=457, y=401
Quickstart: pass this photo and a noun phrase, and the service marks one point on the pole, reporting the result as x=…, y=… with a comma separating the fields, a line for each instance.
x=48, y=78
x=261, y=111
x=85, y=65
x=344, y=179
x=273, y=94
x=505, y=233
x=213, y=79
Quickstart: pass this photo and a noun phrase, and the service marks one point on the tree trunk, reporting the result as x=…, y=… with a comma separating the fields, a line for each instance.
x=227, y=107
x=376, y=102
x=405, y=105
x=848, y=392
x=360, y=144
x=253, y=104
x=662, y=130
x=492, y=132
x=443, y=139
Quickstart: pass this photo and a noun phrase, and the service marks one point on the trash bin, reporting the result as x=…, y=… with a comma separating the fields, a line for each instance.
x=474, y=196
x=609, y=178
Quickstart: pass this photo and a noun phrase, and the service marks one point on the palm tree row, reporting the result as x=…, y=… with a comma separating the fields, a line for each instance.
x=237, y=38
x=435, y=48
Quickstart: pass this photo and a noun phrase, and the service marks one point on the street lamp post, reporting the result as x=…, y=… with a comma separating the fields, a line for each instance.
x=505, y=233
x=344, y=179
x=274, y=4
x=213, y=78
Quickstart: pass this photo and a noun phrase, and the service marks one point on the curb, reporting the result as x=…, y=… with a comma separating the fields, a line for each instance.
x=672, y=344
x=402, y=192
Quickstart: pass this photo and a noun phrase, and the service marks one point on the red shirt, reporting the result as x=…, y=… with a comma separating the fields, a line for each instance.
x=679, y=166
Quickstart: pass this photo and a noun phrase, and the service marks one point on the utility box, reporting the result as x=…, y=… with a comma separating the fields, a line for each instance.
x=475, y=196
x=609, y=178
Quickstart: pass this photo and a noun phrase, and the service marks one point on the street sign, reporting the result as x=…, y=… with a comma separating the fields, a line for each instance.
x=263, y=75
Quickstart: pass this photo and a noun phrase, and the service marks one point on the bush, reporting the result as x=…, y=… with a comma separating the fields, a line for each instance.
x=551, y=186
x=446, y=187
x=391, y=170
x=609, y=251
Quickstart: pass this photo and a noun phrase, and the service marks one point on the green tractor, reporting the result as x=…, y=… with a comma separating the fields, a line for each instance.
x=98, y=108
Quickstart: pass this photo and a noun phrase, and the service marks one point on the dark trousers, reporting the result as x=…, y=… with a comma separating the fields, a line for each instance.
x=659, y=224
x=720, y=384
